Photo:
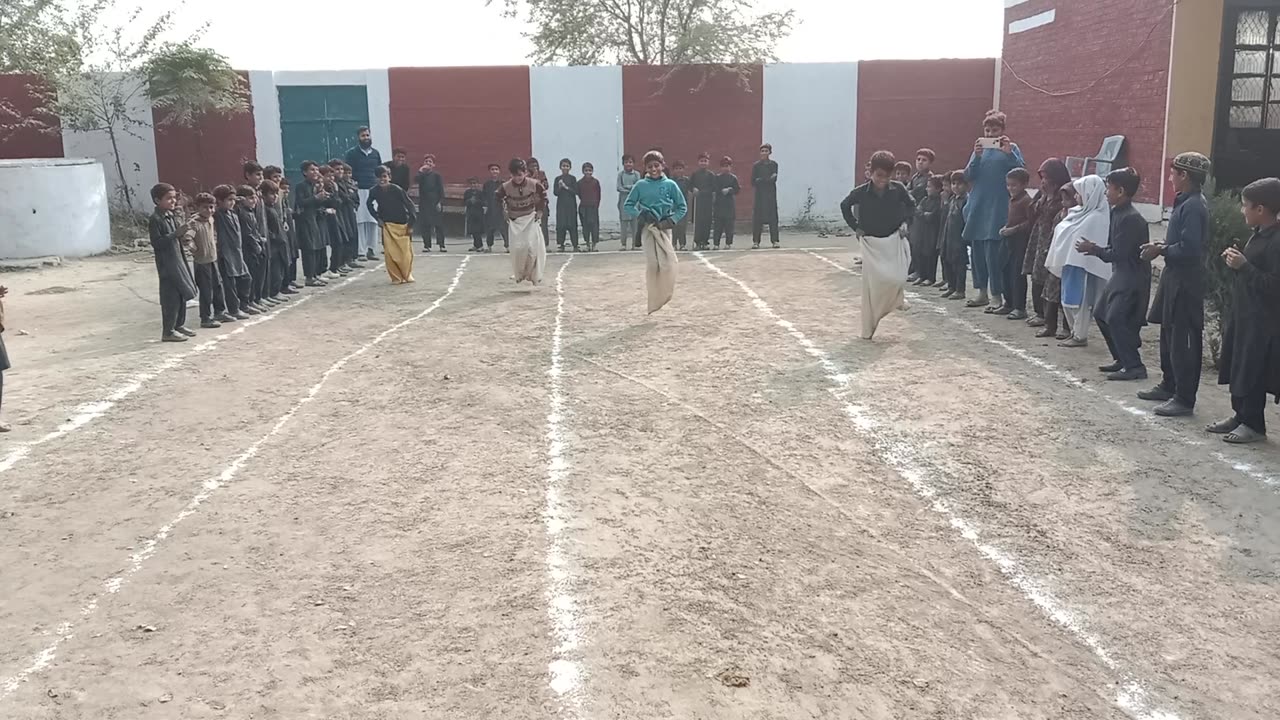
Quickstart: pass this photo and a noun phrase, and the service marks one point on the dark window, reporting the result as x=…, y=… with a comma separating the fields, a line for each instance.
x=1255, y=72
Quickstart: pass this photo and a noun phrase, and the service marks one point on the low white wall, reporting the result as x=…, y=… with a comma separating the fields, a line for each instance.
x=53, y=206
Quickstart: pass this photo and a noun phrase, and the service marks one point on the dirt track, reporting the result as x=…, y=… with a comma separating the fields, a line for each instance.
x=366, y=507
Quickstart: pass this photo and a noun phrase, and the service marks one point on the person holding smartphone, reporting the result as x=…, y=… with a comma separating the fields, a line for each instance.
x=987, y=210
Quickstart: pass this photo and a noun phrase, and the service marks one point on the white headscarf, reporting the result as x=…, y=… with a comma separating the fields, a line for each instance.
x=1090, y=220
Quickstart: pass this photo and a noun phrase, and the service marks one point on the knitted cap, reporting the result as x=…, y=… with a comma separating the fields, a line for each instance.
x=1192, y=162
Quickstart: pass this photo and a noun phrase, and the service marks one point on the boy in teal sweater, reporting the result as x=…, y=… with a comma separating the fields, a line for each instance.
x=657, y=199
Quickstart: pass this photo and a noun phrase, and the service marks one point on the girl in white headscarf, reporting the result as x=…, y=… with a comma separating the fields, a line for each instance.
x=1084, y=277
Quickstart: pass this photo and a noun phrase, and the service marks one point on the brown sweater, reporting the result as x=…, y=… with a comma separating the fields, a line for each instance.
x=1019, y=215
x=201, y=239
x=524, y=198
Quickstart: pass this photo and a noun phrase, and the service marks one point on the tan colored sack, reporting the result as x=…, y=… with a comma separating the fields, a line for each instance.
x=660, y=266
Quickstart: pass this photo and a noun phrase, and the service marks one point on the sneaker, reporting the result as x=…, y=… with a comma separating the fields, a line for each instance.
x=777, y=245
x=913, y=278
x=250, y=311
x=241, y=315
x=443, y=249
x=1138, y=373
x=280, y=300
x=1073, y=342
x=1156, y=394
x=210, y=324
x=182, y=330
x=314, y=283
x=1174, y=408
x=370, y=256
x=289, y=291
x=755, y=246
x=173, y=337
x=1113, y=367
x=225, y=318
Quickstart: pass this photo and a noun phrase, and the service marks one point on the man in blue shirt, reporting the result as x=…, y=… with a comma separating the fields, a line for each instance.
x=1178, y=307
x=364, y=160
x=987, y=210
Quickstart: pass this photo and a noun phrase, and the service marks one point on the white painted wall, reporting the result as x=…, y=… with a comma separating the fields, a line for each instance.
x=266, y=105
x=53, y=206
x=576, y=112
x=266, y=117
x=811, y=119
x=137, y=145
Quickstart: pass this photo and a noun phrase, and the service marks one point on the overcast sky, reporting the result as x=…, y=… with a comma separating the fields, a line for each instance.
x=282, y=35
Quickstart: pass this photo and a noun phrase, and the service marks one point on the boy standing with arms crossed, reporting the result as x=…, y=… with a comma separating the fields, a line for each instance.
x=566, y=205
x=495, y=220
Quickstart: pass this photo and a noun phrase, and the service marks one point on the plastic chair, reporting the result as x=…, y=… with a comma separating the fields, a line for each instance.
x=1103, y=163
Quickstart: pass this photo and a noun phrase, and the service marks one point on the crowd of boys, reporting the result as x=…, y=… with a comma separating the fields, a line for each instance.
x=239, y=248
x=711, y=196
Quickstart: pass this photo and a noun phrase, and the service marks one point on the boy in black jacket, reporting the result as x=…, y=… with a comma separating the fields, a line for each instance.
x=473, y=205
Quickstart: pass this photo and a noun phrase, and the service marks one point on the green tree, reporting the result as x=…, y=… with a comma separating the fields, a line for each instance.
x=105, y=62
x=727, y=33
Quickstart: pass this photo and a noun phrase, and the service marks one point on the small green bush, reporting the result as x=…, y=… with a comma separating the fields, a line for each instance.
x=1226, y=227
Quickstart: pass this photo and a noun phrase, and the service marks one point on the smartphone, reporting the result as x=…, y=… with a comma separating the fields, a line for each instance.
x=987, y=143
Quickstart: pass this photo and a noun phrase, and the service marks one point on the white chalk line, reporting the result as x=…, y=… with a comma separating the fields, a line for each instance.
x=88, y=412
x=1150, y=418
x=566, y=667
x=66, y=630
x=904, y=459
x=637, y=253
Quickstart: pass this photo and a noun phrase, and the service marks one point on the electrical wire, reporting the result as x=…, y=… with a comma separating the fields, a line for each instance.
x=1118, y=66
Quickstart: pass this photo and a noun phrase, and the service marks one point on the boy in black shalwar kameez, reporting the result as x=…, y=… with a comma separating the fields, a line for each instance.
x=726, y=205
x=1250, y=362
x=1178, y=307
x=701, y=201
x=495, y=218
x=680, y=234
x=764, y=178
x=231, y=263
x=253, y=244
x=473, y=217
x=277, y=243
x=176, y=284
x=1123, y=304
x=431, y=203
x=308, y=207
x=566, y=189
x=589, y=194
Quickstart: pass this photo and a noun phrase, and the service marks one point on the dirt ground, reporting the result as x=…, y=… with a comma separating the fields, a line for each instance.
x=463, y=499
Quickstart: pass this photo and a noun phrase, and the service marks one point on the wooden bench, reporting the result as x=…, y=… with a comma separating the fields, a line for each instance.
x=453, y=193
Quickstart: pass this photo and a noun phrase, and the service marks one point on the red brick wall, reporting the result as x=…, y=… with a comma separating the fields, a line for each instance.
x=1087, y=39
x=25, y=132
x=197, y=158
x=723, y=118
x=467, y=116
x=904, y=105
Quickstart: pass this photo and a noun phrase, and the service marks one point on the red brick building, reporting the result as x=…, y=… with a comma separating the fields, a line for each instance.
x=1169, y=76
